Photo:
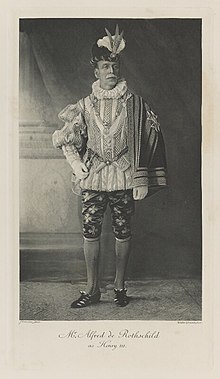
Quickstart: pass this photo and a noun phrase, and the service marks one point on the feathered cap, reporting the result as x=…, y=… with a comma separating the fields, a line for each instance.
x=109, y=47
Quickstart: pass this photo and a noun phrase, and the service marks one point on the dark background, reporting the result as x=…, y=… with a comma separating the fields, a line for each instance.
x=162, y=63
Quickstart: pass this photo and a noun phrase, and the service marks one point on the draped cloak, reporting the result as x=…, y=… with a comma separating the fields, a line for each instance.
x=147, y=147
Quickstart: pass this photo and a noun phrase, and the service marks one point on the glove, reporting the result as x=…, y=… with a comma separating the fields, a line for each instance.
x=80, y=170
x=140, y=193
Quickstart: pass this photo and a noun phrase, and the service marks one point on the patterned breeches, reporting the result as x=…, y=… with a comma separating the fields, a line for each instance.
x=94, y=204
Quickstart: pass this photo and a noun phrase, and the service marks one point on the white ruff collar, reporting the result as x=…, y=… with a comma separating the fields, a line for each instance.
x=115, y=93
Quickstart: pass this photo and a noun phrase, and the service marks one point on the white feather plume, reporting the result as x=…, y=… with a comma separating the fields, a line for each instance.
x=105, y=42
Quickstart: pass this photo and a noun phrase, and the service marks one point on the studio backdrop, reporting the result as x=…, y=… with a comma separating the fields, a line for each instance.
x=161, y=63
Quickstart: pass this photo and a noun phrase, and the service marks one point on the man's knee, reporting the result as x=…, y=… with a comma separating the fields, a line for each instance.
x=91, y=232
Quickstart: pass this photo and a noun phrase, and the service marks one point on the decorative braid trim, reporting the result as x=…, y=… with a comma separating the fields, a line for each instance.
x=159, y=181
x=140, y=177
x=157, y=177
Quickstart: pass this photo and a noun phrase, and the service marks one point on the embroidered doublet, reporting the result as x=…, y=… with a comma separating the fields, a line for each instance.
x=105, y=117
x=117, y=136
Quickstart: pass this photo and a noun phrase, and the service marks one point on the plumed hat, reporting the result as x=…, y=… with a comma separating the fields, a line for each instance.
x=109, y=47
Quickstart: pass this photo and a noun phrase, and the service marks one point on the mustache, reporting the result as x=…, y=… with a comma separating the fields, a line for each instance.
x=109, y=76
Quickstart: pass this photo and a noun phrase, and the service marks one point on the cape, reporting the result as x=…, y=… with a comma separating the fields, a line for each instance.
x=146, y=145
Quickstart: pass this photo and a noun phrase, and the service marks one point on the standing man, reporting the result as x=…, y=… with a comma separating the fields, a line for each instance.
x=112, y=141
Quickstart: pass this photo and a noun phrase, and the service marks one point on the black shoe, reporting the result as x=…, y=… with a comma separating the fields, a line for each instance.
x=121, y=299
x=86, y=299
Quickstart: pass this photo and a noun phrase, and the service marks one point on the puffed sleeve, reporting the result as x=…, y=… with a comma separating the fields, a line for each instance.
x=74, y=129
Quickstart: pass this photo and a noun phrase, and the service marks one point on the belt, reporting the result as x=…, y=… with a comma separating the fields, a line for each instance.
x=92, y=154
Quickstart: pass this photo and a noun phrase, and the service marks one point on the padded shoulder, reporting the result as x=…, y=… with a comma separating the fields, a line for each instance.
x=71, y=111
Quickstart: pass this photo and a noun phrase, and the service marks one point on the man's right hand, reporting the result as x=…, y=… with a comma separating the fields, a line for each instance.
x=80, y=170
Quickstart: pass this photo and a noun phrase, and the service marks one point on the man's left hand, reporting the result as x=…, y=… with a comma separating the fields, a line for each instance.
x=140, y=193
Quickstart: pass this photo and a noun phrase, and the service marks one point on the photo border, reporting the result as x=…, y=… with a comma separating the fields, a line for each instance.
x=183, y=348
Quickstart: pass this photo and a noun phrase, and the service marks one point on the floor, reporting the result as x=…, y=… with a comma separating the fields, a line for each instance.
x=149, y=300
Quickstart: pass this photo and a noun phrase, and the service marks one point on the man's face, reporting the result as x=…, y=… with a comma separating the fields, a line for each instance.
x=108, y=73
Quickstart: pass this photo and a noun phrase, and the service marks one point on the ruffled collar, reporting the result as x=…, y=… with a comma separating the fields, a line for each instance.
x=118, y=91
